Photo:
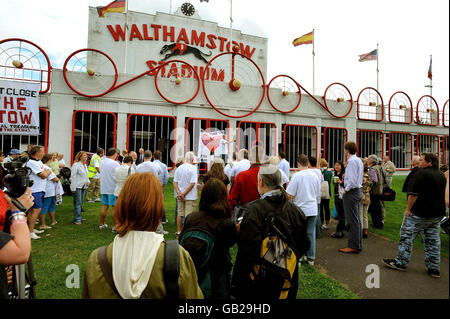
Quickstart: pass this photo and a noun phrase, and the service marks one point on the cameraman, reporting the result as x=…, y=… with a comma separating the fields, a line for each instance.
x=14, y=247
x=39, y=176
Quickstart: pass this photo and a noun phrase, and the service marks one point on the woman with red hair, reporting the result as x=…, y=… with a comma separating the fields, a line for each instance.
x=135, y=260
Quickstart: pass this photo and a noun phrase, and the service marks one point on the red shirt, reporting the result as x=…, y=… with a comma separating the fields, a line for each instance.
x=245, y=188
x=3, y=208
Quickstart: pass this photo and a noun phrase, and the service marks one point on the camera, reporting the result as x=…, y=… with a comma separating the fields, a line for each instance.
x=17, y=178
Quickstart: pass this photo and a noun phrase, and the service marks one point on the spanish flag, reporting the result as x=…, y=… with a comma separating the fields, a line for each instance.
x=115, y=6
x=304, y=39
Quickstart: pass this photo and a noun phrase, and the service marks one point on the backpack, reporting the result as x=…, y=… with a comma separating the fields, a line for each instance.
x=200, y=243
x=273, y=275
x=325, y=190
x=171, y=268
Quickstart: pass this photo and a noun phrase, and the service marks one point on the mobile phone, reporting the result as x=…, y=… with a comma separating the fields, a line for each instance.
x=239, y=219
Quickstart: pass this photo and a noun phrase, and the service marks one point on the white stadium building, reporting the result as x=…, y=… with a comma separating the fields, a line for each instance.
x=158, y=83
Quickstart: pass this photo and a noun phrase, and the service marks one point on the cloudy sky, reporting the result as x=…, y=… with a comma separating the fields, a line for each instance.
x=408, y=32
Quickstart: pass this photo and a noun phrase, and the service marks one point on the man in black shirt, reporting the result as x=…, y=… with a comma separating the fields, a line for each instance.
x=424, y=211
x=412, y=172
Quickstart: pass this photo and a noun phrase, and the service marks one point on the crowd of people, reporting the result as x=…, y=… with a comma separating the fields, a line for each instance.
x=253, y=200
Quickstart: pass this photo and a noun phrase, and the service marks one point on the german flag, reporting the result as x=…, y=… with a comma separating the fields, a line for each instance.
x=304, y=39
x=115, y=6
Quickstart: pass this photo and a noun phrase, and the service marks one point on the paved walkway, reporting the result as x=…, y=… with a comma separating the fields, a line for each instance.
x=350, y=269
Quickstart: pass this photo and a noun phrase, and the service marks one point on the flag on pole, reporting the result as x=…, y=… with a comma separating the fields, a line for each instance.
x=304, y=39
x=430, y=74
x=115, y=6
x=373, y=55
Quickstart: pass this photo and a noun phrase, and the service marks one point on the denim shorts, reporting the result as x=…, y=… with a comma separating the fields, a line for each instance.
x=48, y=205
x=109, y=199
x=38, y=199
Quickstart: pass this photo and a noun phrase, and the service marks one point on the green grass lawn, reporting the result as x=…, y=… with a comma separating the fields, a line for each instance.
x=67, y=244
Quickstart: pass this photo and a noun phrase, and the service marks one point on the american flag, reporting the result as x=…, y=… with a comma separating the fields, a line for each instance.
x=373, y=55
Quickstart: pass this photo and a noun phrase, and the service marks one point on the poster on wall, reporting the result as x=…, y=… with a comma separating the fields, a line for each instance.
x=19, y=108
x=210, y=143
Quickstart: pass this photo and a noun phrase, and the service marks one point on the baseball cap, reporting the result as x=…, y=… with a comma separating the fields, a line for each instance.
x=14, y=151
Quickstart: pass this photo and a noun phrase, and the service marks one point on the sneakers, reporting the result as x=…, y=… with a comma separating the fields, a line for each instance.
x=324, y=226
x=391, y=263
x=434, y=273
x=97, y=200
x=90, y=201
x=310, y=261
x=114, y=230
x=163, y=232
x=34, y=236
x=45, y=227
x=104, y=226
x=38, y=231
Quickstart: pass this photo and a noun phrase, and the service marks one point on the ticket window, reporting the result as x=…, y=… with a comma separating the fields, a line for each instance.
x=369, y=143
x=299, y=139
x=93, y=130
x=20, y=142
x=333, y=144
x=400, y=150
x=152, y=132
x=251, y=133
x=194, y=126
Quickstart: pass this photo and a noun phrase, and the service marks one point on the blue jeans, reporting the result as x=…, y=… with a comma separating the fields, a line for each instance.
x=411, y=228
x=78, y=197
x=311, y=232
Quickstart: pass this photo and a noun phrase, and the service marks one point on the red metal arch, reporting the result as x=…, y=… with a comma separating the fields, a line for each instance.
x=444, y=112
x=358, y=108
x=410, y=105
x=437, y=111
x=46, y=58
x=299, y=93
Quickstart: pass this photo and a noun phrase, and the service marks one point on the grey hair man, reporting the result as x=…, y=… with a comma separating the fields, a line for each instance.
x=376, y=207
x=390, y=169
x=414, y=168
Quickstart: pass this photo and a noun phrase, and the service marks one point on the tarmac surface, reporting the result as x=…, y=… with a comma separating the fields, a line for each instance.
x=354, y=271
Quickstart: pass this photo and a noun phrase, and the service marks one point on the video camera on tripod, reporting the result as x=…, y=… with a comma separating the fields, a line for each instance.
x=17, y=180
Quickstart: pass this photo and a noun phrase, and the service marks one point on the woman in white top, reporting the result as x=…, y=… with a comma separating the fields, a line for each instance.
x=50, y=195
x=79, y=182
x=122, y=172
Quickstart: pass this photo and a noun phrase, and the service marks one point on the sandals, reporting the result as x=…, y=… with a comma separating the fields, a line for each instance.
x=76, y=223
x=336, y=236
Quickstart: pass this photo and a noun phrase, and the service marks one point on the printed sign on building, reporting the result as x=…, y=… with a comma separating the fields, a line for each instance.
x=210, y=143
x=19, y=108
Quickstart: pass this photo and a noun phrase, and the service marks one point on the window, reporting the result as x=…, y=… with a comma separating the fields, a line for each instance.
x=152, y=132
x=249, y=133
x=427, y=143
x=20, y=142
x=299, y=139
x=92, y=130
x=445, y=150
x=370, y=142
x=334, y=139
x=401, y=149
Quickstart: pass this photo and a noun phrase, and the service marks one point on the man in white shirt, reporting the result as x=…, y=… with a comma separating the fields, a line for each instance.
x=303, y=190
x=108, y=183
x=284, y=164
x=243, y=164
x=185, y=185
x=352, y=196
x=312, y=165
x=164, y=178
x=229, y=167
x=38, y=175
x=150, y=167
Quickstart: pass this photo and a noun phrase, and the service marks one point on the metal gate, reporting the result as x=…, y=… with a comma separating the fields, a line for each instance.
x=401, y=149
x=445, y=150
x=370, y=142
x=152, y=132
x=193, y=129
x=334, y=139
x=20, y=142
x=427, y=143
x=91, y=130
x=250, y=133
x=299, y=139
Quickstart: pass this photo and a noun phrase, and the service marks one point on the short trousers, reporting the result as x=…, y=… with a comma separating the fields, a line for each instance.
x=109, y=199
x=38, y=199
x=48, y=205
x=185, y=207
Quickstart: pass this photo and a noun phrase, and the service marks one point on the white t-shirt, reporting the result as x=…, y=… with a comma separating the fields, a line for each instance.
x=284, y=166
x=240, y=166
x=62, y=162
x=37, y=167
x=305, y=187
x=229, y=169
x=185, y=175
x=50, y=187
x=97, y=165
x=122, y=173
x=108, y=176
x=284, y=178
x=319, y=174
x=150, y=167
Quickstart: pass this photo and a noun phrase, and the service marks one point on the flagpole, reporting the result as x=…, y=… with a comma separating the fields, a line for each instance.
x=231, y=24
x=126, y=39
x=378, y=70
x=313, y=54
x=431, y=80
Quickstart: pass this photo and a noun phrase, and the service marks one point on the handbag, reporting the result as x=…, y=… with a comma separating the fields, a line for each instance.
x=388, y=194
x=325, y=190
x=334, y=215
x=58, y=197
